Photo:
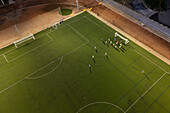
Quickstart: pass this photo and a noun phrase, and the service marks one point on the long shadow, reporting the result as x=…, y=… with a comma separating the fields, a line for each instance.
x=94, y=60
x=123, y=48
x=107, y=57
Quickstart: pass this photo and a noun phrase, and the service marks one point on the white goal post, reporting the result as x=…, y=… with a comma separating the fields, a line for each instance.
x=27, y=38
x=126, y=40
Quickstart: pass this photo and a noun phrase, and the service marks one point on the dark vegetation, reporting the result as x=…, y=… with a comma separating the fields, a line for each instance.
x=158, y=5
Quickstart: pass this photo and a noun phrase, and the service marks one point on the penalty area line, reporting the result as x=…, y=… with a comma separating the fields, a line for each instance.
x=134, y=50
x=5, y=58
x=39, y=69
x=48, y=72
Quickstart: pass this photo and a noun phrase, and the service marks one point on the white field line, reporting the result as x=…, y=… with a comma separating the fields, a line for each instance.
x=38, y=70
x=48, y=33
x=9, y=51
x=41, y=68
x=48, y=72
x=99, y=25
x=150, y=60
x=79, y=33
x=49, y=37
x=26, y=77
x=146, y=91
x=100, y=103
x=30, y=51
x=16, y=48
x=134, y=50
x=5, y=58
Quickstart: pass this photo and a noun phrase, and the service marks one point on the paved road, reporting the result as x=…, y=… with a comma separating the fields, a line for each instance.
x=139, y=6
x=146, y=21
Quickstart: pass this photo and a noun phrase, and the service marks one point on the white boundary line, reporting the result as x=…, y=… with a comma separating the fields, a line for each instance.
x=49, y=37
x=100, y=103
x=9, y=51
x=44, y=66
x=146, y=91
x=5, y=58
x=44, y=35
x=134, y=50
x=145, y=58
x=150, y=60
x=61, y=59
x=78, y=33
x=95, y=102
x=30, y=50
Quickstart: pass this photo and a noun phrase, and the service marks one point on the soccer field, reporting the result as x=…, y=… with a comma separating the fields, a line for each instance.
x=51, y=74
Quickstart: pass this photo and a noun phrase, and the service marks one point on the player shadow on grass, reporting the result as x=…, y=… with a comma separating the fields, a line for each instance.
x=116, y=49
x=130, y=46
x=142, y=73
x=94, y=60
x=107, y=57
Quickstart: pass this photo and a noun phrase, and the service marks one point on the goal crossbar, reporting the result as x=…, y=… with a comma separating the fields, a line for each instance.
x=24, y=40
x=126, y=40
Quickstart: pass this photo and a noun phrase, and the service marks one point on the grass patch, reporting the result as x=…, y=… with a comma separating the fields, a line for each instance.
x=65, y=12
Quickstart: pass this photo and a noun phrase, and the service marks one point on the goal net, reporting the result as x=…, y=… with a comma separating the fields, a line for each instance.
x=125, y=40
x=24, y=41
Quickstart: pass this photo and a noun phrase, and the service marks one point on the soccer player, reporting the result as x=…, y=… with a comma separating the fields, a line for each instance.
x=113, y=44
x=95, y=48
x=110, y=42
x=143, y=71
x=103, y=41
x=93, y=58
x=106, y=43
x=106, y=55
x=90, y=68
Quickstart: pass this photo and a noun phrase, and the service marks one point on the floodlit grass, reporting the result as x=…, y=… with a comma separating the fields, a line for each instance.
x=51, y=74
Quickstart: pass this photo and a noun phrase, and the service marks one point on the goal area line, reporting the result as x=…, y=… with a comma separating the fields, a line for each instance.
x=27, y=77
x=47, y=34
x=165, y=72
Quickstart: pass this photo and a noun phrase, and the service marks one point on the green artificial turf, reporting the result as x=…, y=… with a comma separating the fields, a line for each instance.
x=66, y=11
x=51, y=74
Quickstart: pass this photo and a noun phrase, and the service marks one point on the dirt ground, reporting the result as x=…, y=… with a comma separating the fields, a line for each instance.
x=39, y=22
x=131, y=38
x=136, y=31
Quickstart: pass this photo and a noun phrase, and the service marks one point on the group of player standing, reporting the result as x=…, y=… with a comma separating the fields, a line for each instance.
x=95, y=48
x=115, y=44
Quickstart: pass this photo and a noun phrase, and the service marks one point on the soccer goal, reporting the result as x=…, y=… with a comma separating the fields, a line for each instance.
x=55, y=26
x=24, y=41
x=126, y=40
